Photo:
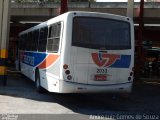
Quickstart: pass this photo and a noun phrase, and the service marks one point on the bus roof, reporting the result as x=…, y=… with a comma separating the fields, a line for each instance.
x=98, y=14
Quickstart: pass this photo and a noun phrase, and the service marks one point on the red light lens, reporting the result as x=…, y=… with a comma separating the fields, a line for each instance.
x=65, y=66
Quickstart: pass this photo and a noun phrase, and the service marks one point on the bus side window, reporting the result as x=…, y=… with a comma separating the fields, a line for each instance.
x=22, y=47
x=35, y=40
x=54, y=37
x=20, y=42
x=29, y=41
x=25, y=41
x=43, y=39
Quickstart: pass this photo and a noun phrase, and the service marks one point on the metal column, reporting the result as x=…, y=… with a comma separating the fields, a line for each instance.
x=64, y=6
x=130, y=8
x=140, y=29
x=140, y=54
x=4, y=37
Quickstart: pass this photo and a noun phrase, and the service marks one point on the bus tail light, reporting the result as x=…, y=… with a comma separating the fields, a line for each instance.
x=69, y=77
x=65, y=66
x=67, y=72
x=129, y=78
x=131, y=73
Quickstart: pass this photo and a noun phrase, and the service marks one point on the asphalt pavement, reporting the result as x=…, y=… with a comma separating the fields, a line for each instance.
x=20, y=98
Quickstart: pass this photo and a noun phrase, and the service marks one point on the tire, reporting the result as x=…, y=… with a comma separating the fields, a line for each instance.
x=39, y=89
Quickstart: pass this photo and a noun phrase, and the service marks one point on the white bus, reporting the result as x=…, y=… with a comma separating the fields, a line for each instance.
x=79, y=52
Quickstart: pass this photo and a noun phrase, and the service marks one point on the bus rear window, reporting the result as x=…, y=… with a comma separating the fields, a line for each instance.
x=97, y=33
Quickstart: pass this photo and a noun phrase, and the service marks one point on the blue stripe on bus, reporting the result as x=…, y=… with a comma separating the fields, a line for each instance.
x=123, y=62
x=33, y=59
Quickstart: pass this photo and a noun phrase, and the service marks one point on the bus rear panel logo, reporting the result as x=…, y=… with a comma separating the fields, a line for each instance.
x=103, y=59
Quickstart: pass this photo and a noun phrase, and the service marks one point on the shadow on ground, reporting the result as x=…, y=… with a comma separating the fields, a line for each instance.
x=144, y=98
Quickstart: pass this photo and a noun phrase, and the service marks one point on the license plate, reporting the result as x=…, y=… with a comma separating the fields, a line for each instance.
x=100, y=77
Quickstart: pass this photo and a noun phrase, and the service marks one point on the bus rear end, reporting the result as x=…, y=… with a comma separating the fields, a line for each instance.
x=102, y=53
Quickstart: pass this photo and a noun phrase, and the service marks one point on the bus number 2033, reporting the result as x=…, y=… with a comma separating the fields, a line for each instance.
x=102, y=71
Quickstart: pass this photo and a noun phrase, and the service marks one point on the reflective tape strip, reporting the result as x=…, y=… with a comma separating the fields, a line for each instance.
x=3, y=70
x=4, y=53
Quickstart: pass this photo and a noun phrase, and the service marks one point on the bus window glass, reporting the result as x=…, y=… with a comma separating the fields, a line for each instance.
x=54, y=38
x=43, y=39
x=25, y=43
x=99, y=33
x=21, y=41
x=29, y=41
x=35, y=39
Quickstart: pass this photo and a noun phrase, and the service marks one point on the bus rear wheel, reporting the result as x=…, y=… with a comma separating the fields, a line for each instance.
x=38, y=82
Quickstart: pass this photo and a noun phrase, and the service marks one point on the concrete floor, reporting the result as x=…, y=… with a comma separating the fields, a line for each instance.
x=20, y=97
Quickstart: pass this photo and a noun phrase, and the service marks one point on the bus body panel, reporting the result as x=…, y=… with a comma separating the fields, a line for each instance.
x=90, y=88
x=117, y=71
x=114, y=71
x=86, y=75
x=85, y=70
x=48, y=66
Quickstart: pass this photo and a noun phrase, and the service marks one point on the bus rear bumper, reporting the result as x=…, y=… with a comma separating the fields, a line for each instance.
x=70, y=87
